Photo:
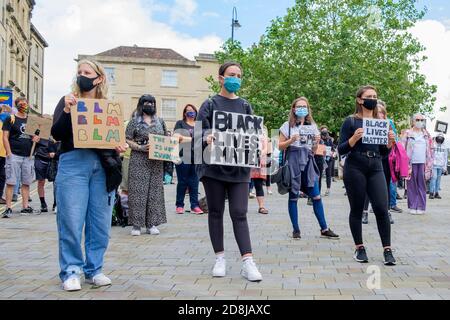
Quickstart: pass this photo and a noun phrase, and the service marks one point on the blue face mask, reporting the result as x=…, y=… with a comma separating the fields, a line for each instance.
x=301, y=112
x=4, y=116
x=191, y=114
x=232, y=84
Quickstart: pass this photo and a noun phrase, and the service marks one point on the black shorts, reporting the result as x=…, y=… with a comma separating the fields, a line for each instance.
x=41, y=169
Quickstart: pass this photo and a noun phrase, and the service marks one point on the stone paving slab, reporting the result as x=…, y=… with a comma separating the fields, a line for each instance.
x=176, y=265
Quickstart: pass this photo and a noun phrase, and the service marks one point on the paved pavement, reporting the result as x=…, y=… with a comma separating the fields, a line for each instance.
x=177, y=264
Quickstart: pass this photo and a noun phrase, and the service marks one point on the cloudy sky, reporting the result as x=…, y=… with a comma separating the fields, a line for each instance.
x=73, y=27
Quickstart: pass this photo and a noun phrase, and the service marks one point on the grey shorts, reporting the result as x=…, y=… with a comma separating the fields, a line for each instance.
x=19, y=168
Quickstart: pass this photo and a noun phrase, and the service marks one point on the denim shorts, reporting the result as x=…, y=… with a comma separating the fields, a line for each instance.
x=18, y=167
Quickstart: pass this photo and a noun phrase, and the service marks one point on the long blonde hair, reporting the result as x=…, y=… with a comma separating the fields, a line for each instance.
x=293, y=118
x=101, y=91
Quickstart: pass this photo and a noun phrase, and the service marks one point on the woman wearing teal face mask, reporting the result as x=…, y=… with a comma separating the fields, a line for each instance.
x=220, y=180
x=299, y=138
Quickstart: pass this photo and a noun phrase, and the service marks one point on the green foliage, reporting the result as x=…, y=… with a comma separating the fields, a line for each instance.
x=325, y=50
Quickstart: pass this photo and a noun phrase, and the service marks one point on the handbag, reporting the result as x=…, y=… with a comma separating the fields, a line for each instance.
x=283, y=176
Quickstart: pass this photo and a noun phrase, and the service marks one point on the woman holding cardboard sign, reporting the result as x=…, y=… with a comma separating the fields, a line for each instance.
x=363, y=174
x=219, y=180
x=86, y=180
x=299, y=138
x=145, y=178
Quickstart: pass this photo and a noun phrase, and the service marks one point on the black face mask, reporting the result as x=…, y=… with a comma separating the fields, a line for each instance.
x=370, y=104
x=86, y=84
x=440, y=140
x=324, y=134
x=149, y=110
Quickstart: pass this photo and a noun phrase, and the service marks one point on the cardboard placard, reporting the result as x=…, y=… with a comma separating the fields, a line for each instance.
x=98, y=124
x=376, y=131
x=43, y=124
x=441, y=127
x=328, y=151
x=238, y=139
x=320, y=150
x=164, y=148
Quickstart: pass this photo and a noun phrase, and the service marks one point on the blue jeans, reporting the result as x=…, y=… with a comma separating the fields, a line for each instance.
x=435, y=183
x=82, y=201
x=187, y=178
x=393, y=196
x=317, y=206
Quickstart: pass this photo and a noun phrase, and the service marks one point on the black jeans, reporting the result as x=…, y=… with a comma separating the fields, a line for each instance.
x=329, y=172
x=238, y=204
x=363, y=175
x=2, y=175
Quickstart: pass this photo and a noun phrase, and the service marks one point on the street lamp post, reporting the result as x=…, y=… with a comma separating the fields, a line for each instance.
x=234, y=23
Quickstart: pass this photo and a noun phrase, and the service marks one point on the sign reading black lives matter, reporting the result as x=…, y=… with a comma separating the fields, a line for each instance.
x=375, y=131
x=237, y=139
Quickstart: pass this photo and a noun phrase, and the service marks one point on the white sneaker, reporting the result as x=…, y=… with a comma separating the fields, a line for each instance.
x=250, y=271
x=420, y=212
x=153, y=231
x=72, y=284
x=99, y=280
x=412, y=211
x=135, y=232
x=220, y=268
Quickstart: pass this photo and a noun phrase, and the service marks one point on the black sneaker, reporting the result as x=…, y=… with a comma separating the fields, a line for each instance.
x=389, y=259
x=360, y=255
x=296, y=235
x=14, y=198
x=431, y=196
x=44, y=209
x=399, y=197
x=329, y=234
x=365, y=217
x=6, y=214
x=437, y=196
x=396, y=209
x=27, y=210
x=390, y=218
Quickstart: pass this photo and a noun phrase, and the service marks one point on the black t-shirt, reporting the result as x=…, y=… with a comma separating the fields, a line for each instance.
x=181, y=124
x=350, y=125
x=20, y=142
x=205, y=115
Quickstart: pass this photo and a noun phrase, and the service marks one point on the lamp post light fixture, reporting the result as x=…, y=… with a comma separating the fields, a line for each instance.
x=234, y=23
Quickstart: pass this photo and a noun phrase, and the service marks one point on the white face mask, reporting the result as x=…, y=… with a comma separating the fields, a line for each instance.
x=420, y=125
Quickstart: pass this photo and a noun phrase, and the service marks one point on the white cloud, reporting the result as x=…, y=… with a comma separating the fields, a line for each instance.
x=436, y=38
x=182, y=12
x=75, y=27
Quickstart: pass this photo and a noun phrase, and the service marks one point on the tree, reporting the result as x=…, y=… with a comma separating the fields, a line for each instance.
x=325, y=50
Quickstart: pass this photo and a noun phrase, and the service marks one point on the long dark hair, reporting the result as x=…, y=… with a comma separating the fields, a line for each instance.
x=184, y=111
x=358, y=108
x=138, y=113
x=293, y=118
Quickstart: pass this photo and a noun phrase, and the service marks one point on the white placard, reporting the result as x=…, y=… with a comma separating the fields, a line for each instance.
x=237, y=139
x=376, y=131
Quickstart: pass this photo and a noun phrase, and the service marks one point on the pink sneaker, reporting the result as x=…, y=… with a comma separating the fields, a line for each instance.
x=180, y=210
x=197, y=210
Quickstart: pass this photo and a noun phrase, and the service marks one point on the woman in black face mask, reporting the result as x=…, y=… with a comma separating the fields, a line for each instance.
x=363, y=173
x=145, y=177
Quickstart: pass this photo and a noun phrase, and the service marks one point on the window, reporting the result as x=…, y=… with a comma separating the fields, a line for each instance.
x=169, y=109
x=169, y=78
x=36, y=55
x=2, y=62
x=111, y=76
x=138, y=77
x=36, y=91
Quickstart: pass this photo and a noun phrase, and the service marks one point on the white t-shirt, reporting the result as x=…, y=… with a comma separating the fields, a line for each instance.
x=307, y=134
x=419, y=154
x=440, y=155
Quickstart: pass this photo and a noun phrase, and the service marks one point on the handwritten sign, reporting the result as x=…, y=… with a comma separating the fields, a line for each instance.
x=98, y=124
x=237, y=139
x=43, y=124
x=320, y=150
x=375, y=131
x=164, y=148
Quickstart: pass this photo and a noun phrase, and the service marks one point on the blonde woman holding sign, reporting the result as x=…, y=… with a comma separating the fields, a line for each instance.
x=145, y=177
x=299, y=138
x=363, y=174
x=86, y=181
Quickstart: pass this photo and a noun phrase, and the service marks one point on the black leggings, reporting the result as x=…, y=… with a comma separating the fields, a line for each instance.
x=238, y=205
x=259, y=187
x=329, y=172
x=363, y=175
